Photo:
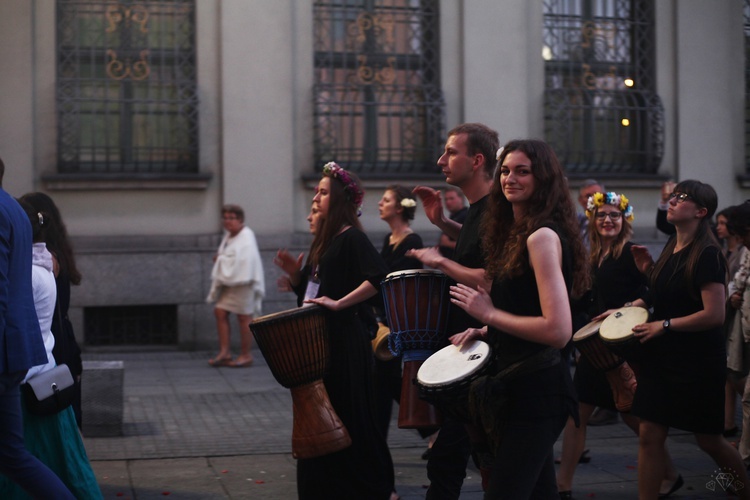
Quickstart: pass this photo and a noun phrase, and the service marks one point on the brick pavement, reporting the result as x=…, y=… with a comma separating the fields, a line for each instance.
x=192, y=431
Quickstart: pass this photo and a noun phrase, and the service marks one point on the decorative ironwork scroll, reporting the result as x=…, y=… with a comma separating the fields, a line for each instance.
x=378, y=109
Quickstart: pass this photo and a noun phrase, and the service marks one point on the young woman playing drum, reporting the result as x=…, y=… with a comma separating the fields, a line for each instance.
x=617, y=281
x=681, y=379
x=343, y=270
x=536, y=260
x=397, y=208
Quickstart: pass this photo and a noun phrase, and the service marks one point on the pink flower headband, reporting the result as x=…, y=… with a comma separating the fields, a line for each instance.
x=331, y=169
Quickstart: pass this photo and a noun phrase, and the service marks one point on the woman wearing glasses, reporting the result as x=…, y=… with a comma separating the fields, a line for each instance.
x=681, y=379
x=617, y=281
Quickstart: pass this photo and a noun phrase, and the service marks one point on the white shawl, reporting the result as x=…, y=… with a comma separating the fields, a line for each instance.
x=238, y=263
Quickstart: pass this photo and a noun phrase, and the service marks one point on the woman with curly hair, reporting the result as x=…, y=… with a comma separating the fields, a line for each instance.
x=683, y=370
x=343, y=270
x=537, y=262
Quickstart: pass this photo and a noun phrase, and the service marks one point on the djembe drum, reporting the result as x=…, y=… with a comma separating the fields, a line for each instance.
x=416, y=307
x=294, y=343
x=620, y=376
x=445, y=377
x=617, y=332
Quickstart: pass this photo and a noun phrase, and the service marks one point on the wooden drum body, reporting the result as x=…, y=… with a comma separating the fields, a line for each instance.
x=294, y=343
x=619, y=375
x=417, y=303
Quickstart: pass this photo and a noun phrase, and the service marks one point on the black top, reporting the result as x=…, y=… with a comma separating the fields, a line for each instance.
x=468, y=253
x=520, y=296
x=682, y=375
x=349, y=260
x=460, y=215
x=395, y=257
x=617, y=281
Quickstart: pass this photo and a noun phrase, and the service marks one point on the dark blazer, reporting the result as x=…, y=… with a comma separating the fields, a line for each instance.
x=21, y=345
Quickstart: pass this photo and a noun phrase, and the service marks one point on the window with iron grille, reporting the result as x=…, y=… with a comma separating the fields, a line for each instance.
x=602, y=113
x=378, y=106
x=126, y=87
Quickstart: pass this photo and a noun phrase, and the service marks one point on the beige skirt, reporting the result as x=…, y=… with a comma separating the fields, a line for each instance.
x=236, y=299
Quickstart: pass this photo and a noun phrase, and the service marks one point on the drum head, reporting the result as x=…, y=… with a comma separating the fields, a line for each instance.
x=408, y=273
x=451, y=364
x=587, y=331
x=306, y=309
x=619, y=325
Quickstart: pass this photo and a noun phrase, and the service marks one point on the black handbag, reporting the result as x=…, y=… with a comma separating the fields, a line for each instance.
x=49, y=392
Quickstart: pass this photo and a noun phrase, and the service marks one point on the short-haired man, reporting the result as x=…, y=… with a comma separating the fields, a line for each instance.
x=467, y=162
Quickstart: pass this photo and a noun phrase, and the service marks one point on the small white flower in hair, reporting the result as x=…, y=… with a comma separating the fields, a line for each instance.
x=408, y=203
x=499, y=153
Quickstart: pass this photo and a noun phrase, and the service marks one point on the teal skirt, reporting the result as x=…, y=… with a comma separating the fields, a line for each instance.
x=56, y=441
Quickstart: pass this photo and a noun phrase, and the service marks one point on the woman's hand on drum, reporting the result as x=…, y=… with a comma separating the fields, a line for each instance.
x=642, y=257
x=460, y=339
x=429, y=256
x=326, y=302
x=648, y=331
x=603, y=315
x=475, y=302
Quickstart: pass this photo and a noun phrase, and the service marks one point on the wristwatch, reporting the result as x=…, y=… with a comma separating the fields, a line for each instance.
x=667, y=323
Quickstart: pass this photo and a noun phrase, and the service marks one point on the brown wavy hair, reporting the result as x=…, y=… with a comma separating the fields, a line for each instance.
x=342, y=211
x=504, y=238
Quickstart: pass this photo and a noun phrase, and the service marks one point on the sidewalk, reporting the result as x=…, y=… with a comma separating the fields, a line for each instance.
x=195, y=432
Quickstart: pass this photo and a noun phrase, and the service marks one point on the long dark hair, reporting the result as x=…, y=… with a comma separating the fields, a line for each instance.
x=342, y=211
x=704, y=196
x=504, y=238
x=55, y=235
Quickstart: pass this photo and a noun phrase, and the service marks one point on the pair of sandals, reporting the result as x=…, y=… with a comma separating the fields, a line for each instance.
x=228, y=361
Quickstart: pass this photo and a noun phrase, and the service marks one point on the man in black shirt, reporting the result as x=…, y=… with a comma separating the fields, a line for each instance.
x=468, y=162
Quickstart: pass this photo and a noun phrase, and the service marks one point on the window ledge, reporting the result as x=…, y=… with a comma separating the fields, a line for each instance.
x=104, y=182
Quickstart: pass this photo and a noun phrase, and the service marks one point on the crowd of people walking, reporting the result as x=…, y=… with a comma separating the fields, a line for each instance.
x=529, y=277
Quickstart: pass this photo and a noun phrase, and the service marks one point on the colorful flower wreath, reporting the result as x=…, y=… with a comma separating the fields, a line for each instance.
x=331, y=169
x=616, y=200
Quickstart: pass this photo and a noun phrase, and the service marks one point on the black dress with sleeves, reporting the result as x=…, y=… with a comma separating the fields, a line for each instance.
x=365, y=469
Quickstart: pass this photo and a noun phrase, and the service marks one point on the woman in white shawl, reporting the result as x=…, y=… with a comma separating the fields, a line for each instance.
x=237, y=286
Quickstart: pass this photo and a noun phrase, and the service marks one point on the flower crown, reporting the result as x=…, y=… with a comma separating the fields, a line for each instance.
x=408, y=203
x=616, y=200
x=331, y=169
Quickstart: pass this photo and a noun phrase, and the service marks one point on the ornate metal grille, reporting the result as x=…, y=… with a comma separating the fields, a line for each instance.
x=378, y=106
x=130, y=325
x=602, y=114
x=746, y=15
x=126, y=87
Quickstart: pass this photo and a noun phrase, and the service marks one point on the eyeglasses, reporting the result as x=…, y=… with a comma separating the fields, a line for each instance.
x=613, y=216
x=681, y=197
